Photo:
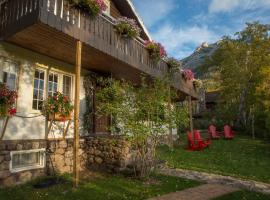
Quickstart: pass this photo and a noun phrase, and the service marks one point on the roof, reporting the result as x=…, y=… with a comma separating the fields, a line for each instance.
x=127, y=8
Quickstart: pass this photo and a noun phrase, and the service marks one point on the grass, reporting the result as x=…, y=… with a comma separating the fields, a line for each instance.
x=244, y=195
x=102, y=187
x=241, y=157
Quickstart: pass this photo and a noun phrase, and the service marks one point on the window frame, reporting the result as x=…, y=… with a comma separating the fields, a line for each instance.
x=42, y=162
x=60, y=75
x=16, y=73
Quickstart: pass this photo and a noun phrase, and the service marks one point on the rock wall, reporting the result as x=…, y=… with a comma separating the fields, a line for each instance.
x=108, y=153
x=105, y=153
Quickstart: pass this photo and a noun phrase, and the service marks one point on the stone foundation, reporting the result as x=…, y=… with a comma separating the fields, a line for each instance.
x=106, y=153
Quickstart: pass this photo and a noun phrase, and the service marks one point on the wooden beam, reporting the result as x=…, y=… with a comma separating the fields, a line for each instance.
x=76, y=144
x=190, y=115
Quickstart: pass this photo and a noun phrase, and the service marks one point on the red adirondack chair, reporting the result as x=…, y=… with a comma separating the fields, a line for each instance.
x=202, y=143
x=195, y=145
x=191, y=143
x=228, y=133
x=213, y=133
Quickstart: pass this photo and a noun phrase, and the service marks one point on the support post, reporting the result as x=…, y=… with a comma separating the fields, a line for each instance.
x=190, y=115
x=76, y=161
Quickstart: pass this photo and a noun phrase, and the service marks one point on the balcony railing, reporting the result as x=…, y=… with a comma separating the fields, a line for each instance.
x=99, y=33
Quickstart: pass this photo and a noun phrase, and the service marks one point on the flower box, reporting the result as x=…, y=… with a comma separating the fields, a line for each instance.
x=59, y=118
x=127, y=28
x=156, y=50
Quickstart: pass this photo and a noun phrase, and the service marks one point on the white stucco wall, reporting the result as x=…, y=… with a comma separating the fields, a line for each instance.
x=32, y=128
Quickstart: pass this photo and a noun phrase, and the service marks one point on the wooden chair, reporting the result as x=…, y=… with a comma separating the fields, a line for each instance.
x=228, y=133
x=213, y=133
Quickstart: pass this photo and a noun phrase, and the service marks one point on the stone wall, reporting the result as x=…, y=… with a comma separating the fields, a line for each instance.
x=6, y=177
x=112, y=154
x=105, y=153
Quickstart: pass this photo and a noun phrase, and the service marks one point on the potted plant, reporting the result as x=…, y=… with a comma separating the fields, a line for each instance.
x=188, y=75
x=58, y=107
x=197, y=83
x=7, y=101
x=91, y=7
x=127, y=28
x=173, y=64
x=156, y=50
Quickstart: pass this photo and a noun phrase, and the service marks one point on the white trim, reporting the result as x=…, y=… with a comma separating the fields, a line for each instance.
x=43, y=163
x=139, y=19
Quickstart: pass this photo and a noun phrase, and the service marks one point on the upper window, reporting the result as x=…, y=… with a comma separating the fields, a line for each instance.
x=38, y=95
x=8, y=74
x=26, y=160
x=108, y=4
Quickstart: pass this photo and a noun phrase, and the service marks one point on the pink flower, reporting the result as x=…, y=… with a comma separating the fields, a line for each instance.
x=101, y=4
x=188, y=74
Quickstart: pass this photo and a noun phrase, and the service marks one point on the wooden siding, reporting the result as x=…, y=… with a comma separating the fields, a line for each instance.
x=62, y=25
x=115, y=13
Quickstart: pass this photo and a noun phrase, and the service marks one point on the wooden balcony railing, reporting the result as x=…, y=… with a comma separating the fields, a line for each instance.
x=99, y=33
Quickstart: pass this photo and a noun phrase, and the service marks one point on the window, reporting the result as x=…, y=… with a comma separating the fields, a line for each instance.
x=52, y=84
x=57, y=82
x=67, y=86
x=108, y=4
x=38, y=95
x=26, y=160
x=8, y=74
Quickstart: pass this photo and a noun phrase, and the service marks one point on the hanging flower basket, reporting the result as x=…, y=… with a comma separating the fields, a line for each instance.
x=188, y=75
x=7, y=101
x=58, y=108
x=91, y=7
x=156, y=50
x=127, y=28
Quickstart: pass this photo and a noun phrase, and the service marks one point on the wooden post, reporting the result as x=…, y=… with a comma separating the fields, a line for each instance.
x=190, y=114
x=76, y=144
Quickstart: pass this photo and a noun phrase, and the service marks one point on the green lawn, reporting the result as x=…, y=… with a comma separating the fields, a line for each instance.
x=240, y=157
x=244, y=195
x=102, y=187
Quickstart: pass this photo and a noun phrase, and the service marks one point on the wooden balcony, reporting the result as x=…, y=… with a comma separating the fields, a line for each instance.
x=52, y=27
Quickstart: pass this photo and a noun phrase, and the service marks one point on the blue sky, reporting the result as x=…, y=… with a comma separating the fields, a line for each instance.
x=182, y=25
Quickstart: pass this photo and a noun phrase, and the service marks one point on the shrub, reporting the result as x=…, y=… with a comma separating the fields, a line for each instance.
x=156, y=50
x=7, y=101
x=92, y=7
x=127, y=27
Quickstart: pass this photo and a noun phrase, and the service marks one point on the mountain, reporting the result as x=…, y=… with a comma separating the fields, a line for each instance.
x=198, y=57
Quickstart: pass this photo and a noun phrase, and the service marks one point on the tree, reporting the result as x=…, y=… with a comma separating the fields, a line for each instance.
x=141, y=114
x=241, y=63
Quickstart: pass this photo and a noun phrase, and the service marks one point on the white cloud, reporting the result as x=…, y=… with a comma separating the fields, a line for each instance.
x=231, y=5
x=152, y=11
x=180, y=42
